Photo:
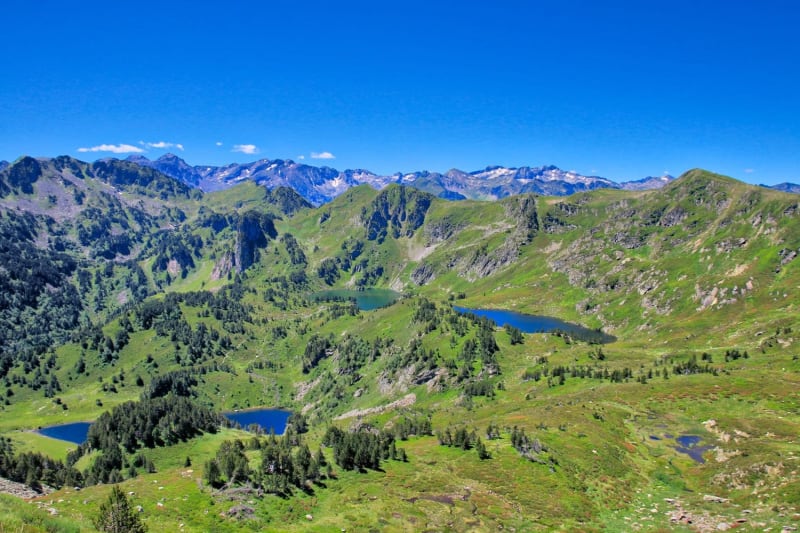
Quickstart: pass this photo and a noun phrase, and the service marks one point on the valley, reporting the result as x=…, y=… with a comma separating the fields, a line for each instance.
x=129, y=291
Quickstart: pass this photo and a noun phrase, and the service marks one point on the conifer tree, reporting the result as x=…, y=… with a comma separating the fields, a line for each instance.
x=117, y=516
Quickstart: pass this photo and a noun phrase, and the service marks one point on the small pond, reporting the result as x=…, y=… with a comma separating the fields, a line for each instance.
x=75, y=432
x=366, y=300
x=266, y=419
x=539, y=324
x=690, y=445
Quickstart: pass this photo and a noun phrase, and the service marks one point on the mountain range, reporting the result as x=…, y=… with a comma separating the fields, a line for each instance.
x=320, y=185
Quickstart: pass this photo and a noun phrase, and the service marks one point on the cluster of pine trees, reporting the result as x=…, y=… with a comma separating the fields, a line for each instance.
x=416, y=425
x=317, y=348
x=34, y=469
x=691, y=366
x=286, y=464
x=166, y=318
x=353, y=353
x=466, y=440
x=514, y=334
x=160, y=421
x=130, y=426
x=362, y=449
x=479, y=387
x=293, y=248
x=182, y=382
x=531, y=448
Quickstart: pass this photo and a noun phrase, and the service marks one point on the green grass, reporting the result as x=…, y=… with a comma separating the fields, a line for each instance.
x=30, y=440
x=21, y=517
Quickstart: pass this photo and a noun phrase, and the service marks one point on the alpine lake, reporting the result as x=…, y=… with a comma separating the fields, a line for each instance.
x=539, y=324
x=75, y=432
x=266, y=419
x=366, y=300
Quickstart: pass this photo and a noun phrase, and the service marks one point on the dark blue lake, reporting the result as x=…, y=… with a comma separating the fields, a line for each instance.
x=266, y=419
x=75, y=432
x=539, y=324
x=366, y=300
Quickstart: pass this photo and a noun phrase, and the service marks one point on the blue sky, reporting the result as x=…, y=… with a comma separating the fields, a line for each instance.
x=621, y=89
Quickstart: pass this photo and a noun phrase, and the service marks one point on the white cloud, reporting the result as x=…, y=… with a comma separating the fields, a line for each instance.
x=218, y=143
x=245, y=148
x=301, y=157
x=114, y=149
x=322, y=155
x=161, y=145
x=749, y=170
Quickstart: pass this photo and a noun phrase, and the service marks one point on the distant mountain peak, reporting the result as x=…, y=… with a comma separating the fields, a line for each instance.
x=786, y=186
x=650, y=182
x=170, y=157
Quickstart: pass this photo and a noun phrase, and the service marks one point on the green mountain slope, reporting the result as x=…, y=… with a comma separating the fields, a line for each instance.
x=213, y=300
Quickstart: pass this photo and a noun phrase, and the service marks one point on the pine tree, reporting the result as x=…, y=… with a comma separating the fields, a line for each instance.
x=212, y=474
x=303, y=461
x=117, y=516
x=483, y=453
x=32, y=481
